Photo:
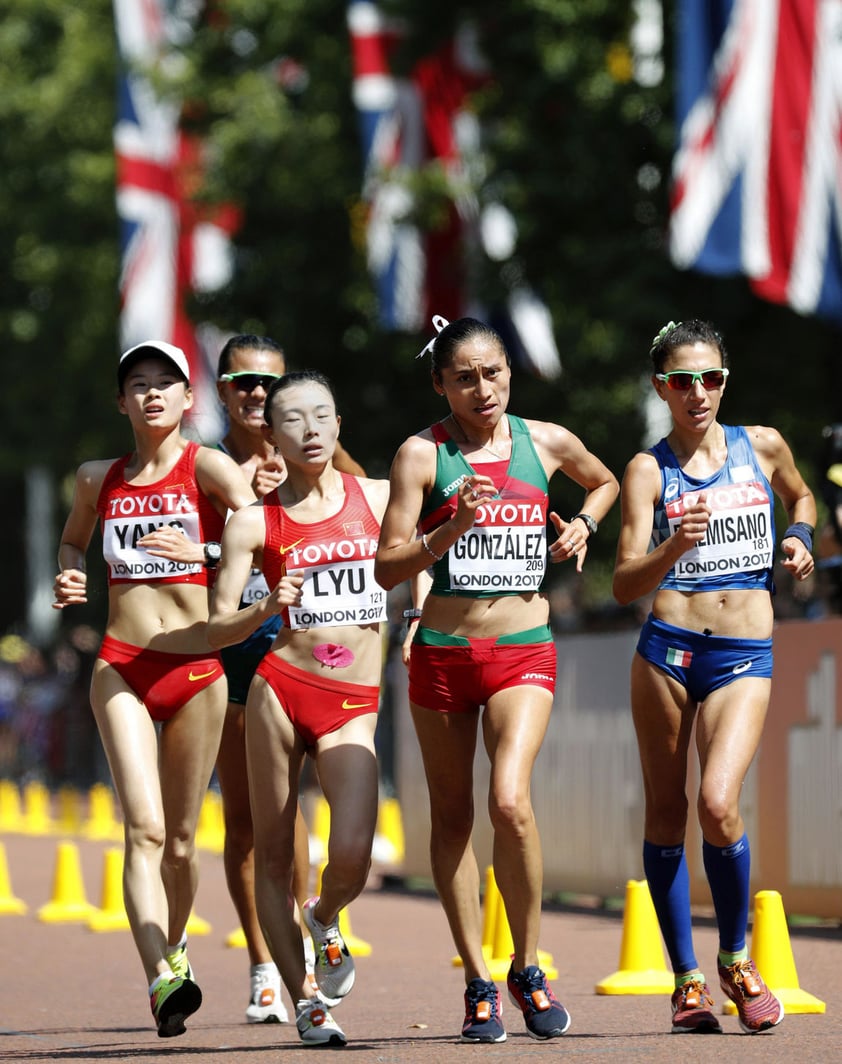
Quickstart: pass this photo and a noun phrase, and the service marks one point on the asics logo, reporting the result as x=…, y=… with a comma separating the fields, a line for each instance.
x=283, y=550
x=193, y=676
x=742, y=667
x=354, y=705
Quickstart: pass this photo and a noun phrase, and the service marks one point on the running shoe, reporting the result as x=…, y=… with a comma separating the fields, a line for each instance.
x=173, y=1000
x=543, y=1013
x=757, y=1007
x=316, y=1026
x=178, y=962
x=334, y=965
x=483, y=1013
x=309, y=968
x=692, y=1010
x=265, y=1005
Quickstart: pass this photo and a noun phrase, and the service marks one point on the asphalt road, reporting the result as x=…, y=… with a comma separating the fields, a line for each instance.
x=70, y=994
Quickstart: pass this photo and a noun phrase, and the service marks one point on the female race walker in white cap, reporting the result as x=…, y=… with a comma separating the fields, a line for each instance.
x=475, y=485
x=698, y=531
x=161, y=509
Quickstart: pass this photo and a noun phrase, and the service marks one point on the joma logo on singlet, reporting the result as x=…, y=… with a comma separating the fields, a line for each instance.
x=454, y=485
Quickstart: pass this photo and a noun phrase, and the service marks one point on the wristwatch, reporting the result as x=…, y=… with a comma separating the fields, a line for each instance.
x=411, y=615
x=590, y=523
x=213, y=552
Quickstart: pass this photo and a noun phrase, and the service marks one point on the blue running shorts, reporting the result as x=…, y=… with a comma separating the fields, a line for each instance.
x=702, y=663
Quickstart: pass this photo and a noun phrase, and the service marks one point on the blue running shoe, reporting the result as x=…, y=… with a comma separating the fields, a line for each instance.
x=482, y=1013
x=543, y=1013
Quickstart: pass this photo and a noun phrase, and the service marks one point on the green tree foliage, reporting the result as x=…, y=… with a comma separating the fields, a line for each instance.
x=58, y=230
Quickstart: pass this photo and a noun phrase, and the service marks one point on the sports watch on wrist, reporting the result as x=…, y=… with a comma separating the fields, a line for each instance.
x=213, y=552
x=411, y=615
x=589, y=522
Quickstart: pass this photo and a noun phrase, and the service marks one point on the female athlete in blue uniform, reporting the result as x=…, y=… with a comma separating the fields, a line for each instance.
x=698, y=531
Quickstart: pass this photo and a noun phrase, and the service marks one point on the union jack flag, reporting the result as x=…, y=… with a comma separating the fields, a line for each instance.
x=425, y=119
x=170, y=246
x=757, y=176
x=405, y=123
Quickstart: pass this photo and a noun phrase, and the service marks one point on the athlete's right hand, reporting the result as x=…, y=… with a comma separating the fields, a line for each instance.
x=694, y=523
x=268, y=476
x=70, y=588
x=473, y=492
x=286, y=593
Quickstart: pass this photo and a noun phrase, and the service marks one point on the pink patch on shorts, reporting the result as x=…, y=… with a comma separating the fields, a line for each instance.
x=334, y=655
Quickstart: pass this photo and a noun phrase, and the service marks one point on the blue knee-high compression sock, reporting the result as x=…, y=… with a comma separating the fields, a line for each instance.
x=728, y=870
x=669, y=885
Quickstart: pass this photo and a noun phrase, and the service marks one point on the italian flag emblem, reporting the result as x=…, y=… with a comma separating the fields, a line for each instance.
x=678, y=657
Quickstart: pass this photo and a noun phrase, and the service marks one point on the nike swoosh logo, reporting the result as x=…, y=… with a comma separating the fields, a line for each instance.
x=354, y=705
x=283, y=550
x=742, y=667
x=200, y=676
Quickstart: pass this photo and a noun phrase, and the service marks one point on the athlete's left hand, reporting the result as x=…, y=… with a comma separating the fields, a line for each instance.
x=797, y=559
x=171, y=543
x=571, y=542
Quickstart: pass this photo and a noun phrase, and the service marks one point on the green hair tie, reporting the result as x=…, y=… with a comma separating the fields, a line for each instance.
x=663, y=334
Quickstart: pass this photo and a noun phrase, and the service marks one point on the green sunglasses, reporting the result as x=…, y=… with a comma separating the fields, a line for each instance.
x=682, y=380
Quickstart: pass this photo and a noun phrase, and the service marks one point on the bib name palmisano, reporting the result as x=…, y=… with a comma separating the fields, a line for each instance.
x=130, y=517
x=339, y=586
x=505, y=550
x=738, y=537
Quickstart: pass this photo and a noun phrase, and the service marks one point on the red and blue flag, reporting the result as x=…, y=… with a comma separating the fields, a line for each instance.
x=757, y=176
x=170, y=246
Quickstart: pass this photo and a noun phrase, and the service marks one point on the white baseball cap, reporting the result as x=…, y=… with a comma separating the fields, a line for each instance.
x=150, y=348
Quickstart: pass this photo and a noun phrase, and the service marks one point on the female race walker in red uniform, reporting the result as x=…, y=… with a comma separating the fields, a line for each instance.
x=247, y=367
x=157, y=508
x=698, y=531
x=317, y=690
x=475, y=484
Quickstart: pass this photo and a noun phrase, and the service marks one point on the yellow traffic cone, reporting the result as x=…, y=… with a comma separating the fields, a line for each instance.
x=210, y=831
x=357, y=947
x=771, y=951
x=389, y=833
x=102, y=822
x=497, y=945
x=197, y=926
x=9, y=904
x=236, y=939
x=642, y=969
x=321, y=827
x=491, y=903
x=111, y=914
x=37, y=815
x=69, y=820
x=10, y=812
x=68, y=903
x=491, y=900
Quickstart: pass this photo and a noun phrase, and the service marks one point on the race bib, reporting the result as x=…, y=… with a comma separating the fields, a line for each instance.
x=127, y=561
x=339, y=593
x=505, y=550
x=739, y=535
